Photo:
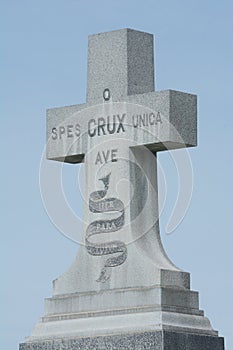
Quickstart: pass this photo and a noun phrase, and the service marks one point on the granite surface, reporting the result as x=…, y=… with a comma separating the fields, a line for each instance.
x=122, y=279
x=121, y=61
x=162, y=340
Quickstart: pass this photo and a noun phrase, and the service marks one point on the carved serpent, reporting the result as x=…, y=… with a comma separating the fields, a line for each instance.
x=99, y=204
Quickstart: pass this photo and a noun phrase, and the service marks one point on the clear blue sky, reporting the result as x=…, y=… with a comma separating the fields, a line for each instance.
x=43, y=64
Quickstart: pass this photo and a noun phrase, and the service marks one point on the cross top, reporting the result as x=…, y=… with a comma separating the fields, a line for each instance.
x=117, y=133
x=120, y=62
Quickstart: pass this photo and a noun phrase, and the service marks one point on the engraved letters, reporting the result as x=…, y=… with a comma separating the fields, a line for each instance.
x=105, y=126
x=146, y=119
x=66, y=131
x=106, y=156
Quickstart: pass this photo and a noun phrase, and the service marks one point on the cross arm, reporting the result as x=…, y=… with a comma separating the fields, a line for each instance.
x=178, y=126
x=63, y=129
x=159, y=120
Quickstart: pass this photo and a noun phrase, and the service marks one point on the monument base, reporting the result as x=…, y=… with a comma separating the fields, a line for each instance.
x=168, y=318
x=157, y=340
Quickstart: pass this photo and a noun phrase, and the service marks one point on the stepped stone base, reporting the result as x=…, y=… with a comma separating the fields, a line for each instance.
x=157, y=340
x=153, y=317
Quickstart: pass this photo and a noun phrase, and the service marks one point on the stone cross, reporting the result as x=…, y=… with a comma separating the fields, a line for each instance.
x=122, y=291
x=117, y=134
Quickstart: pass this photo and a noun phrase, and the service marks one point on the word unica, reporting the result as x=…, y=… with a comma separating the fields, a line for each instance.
x=146, y=119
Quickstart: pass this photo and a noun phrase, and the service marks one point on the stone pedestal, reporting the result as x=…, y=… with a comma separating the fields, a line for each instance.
x=153, y=340
x=165, y=316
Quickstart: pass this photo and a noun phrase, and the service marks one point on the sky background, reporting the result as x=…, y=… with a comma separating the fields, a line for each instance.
x=43, y=65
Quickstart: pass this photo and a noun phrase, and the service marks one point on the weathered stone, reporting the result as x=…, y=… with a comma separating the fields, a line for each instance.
x=160, y=340
x=122, y=291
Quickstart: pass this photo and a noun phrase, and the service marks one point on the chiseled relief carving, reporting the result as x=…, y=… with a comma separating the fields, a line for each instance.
x=116, y=250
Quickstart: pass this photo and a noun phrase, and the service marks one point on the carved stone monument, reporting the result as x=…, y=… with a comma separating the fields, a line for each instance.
x=122, y=291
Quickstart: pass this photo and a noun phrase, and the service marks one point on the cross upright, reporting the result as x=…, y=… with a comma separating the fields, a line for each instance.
x=117, y=134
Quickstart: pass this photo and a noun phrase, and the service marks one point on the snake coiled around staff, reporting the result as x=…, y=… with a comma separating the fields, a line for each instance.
x=99, y=204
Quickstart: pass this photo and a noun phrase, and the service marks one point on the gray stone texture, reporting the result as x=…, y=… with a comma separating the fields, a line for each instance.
x=178, y=111
x=162, y=340
x=147, y=302
x=121, y=61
